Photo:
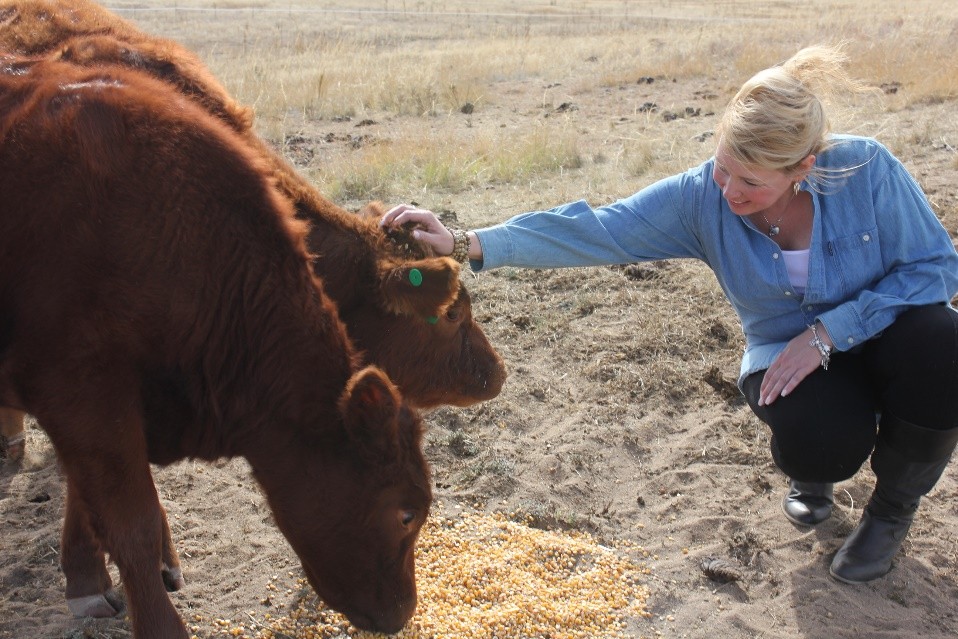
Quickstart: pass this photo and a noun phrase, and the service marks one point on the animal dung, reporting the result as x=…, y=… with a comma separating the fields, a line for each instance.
x=721, y=570
x=483, y=576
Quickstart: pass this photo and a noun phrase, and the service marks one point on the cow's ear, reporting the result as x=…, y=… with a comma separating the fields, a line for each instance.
x=370, y=407
x=419, y=287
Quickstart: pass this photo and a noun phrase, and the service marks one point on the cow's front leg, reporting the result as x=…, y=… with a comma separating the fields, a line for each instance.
x=113, y=485
x=89, y=588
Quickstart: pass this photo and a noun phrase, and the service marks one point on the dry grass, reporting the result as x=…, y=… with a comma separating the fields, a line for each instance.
x=430, y=162
x=425, y=61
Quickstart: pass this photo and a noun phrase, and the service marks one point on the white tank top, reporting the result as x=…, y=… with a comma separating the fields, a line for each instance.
x=796, y=263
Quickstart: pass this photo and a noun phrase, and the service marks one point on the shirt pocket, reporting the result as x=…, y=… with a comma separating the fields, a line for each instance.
x=853, y=263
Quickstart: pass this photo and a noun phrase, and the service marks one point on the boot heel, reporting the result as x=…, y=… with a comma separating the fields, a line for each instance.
x=808, y=503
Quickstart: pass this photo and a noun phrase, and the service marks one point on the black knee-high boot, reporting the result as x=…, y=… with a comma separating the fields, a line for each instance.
x=908, y=461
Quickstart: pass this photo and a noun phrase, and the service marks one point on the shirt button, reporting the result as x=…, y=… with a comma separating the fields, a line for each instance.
x=788, y=293
x=809, y=308
x=774, y=256
x=851, y=340
x=866, y=237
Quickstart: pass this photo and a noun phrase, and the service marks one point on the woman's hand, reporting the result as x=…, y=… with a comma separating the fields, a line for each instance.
x=429, y=230
x=799, y=359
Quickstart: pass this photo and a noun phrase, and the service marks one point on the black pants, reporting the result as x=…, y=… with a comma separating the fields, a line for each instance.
x=826, y=428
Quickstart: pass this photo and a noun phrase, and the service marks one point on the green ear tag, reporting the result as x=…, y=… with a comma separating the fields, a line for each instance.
x=415, y=277
x=432, y=320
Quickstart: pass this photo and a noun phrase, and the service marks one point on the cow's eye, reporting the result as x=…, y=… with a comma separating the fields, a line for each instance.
x=453, y=314
x=407, y=517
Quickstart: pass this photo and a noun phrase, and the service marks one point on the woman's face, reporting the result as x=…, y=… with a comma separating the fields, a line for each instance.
x=749, y=189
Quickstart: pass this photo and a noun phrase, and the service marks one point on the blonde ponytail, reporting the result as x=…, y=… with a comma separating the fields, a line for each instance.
x=778, y=117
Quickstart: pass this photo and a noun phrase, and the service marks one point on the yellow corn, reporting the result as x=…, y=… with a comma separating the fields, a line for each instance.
x=487, y=577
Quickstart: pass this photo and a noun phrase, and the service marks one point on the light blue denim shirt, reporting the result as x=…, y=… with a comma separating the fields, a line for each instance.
x=876, y=249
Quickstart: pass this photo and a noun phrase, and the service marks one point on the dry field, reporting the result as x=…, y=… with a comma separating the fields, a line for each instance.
x=619, y=430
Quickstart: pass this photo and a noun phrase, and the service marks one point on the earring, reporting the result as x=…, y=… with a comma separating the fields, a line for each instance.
x=796, y=187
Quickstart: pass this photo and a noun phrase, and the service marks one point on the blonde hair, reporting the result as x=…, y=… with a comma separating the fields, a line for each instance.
x=777, y=119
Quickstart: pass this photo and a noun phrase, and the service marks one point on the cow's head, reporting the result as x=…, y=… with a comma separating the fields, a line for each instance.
x=440, y=358
x=352, y=507
x=444, y=359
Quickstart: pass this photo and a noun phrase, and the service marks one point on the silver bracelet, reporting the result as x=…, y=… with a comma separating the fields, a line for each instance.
x=460, y=246
x=823, y=349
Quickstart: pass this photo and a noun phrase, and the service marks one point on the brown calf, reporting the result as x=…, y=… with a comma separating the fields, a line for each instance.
x=156, y=303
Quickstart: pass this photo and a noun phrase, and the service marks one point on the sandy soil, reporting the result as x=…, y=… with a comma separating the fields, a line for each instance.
x=619, y=419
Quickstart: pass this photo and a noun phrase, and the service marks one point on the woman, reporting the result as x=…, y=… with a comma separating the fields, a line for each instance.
x=838, y=269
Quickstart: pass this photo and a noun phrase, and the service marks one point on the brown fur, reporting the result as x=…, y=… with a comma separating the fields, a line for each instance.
x=156, y=303
x=449, y=361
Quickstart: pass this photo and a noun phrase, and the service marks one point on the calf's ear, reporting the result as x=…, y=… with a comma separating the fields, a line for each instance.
x=370, y=407
x=419, y=287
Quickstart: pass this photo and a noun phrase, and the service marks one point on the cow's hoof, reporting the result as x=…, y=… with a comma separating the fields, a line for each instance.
x=101, y=606
x=14, y=447
x=173, y=579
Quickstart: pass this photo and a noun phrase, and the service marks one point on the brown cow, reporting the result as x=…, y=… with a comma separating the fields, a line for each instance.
x=455, y=364
x=146, y=257
x=445, y=359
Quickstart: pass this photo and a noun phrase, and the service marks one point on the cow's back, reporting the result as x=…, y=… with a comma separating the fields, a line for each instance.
x=137, y=228
x=87, y=34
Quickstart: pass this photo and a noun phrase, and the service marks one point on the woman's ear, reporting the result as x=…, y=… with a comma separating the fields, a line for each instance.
x=804, y=168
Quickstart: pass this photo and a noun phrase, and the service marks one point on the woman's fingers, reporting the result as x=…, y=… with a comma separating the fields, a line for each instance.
x=389, y=219
x=429, y=230
x=404, y=213
x=788, y=370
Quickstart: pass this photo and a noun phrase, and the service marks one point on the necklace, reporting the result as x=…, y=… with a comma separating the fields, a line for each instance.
x=775, y=229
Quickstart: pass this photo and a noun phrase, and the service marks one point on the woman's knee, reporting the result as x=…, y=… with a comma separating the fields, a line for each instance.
x=826, y=428
x=816, y=460
x=915, y=364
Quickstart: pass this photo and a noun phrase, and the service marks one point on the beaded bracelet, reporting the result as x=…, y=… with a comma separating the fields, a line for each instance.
x=823, y=349
x=460, y=246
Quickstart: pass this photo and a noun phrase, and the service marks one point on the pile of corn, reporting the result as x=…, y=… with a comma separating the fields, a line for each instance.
x=485, y=577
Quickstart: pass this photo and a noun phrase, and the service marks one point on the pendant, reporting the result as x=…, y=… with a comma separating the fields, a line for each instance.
x=773, y=230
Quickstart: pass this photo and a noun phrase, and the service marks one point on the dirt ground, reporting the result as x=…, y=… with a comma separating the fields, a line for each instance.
x=619, y=418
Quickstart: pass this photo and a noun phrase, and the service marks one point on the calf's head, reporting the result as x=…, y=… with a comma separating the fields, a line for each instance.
x=444, y=359
x=352, y=506
x=436, y=358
